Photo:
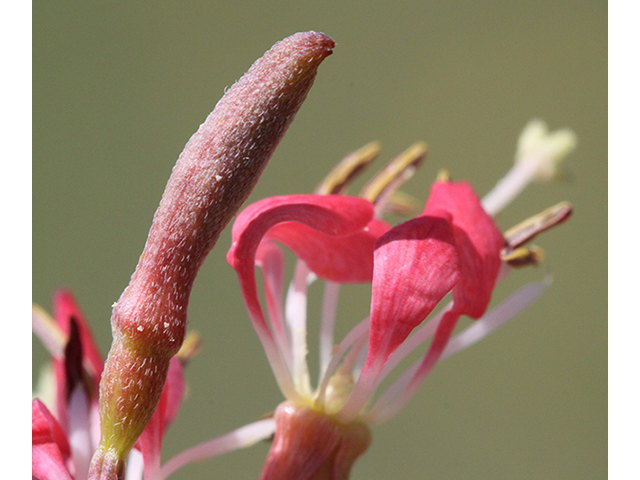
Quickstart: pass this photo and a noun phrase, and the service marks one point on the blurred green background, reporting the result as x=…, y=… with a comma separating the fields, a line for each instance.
x=119, y=87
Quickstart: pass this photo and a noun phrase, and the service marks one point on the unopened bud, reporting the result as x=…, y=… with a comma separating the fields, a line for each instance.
x=215, y=173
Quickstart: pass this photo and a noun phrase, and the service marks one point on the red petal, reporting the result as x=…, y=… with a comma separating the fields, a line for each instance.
x=330, y=214
x=65, y=307
x=347, y=259
x=174, y=390
x=326, y=231
x=150, y=442
x=478, y=242
x=416, y=264
x=49, y=446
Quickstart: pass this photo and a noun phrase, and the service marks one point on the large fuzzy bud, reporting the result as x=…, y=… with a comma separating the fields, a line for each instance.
x=215, y=173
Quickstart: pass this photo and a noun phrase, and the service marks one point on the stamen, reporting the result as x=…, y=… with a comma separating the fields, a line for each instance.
x=438, y=344
x=380, y=411
x=417, y=338
x=271, y=261
x=350, y=167
x=329, y=309
x=278, y=364
x=380, y=188
x=538, y=157
x=359, y=331
x=48, y=331
x=497, y=317
x=522, y=256
x=350, y=359
x=545, y=149
x=341, y=383
x=402, y=204
x=443, y=176
x=361, y=358
x=528, y=229
x=190, y=347
x=296, y=316
x=385, y=407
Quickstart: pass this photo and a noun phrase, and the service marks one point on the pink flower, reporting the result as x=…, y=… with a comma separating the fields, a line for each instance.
x=64, y=441
x=452, y=247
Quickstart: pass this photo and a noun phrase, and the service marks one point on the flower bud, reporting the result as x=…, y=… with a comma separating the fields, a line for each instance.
x=215, y=173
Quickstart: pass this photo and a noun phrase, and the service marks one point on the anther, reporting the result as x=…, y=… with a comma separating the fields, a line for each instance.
x=350, y=167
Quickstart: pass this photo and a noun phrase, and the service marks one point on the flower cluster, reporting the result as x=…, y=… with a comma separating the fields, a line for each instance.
x=103, y=416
